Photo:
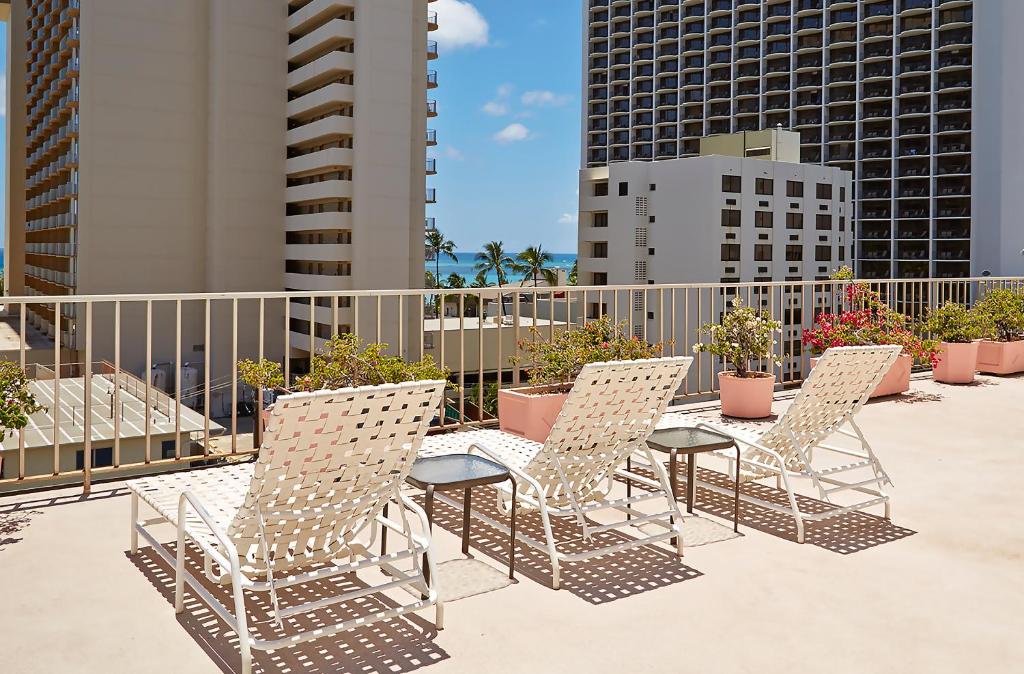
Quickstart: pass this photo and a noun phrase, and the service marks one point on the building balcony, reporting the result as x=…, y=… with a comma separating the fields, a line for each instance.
x=961, y=429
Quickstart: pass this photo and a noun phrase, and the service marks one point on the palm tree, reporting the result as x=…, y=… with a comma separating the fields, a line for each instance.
x=574, y=274
x=494, y=258
x=533, y=262
x=437, y=245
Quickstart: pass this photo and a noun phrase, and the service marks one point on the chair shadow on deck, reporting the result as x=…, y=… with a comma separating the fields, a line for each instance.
x=845, y=534
x=402, y=644
x=598, y=580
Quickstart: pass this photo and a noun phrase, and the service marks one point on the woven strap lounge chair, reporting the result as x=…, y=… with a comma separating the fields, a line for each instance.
x=329, y=463
x=612, y=409
x=837, y=388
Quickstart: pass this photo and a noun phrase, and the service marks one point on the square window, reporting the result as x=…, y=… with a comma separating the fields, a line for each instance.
x=794, y=220
x=794, y=188
x=763, y=219
x=730, y=217
x=623, y=189
x=764, y=186
x=823, y=253
x=732, y=184
x=653, y=187
x=763, y=252
x=823, y=222
x=730, y=252
x=600, y=189
x=823, y=190
x=167, y=449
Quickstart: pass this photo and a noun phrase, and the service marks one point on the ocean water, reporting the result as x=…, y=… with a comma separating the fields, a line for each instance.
x=466, y=266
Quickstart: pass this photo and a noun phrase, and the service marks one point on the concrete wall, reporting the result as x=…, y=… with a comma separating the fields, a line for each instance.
x=14, y=225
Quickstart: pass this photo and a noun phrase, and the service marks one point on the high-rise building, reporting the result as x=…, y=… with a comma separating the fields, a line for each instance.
x=194, y=146
x=915, y=98
x=745, y=211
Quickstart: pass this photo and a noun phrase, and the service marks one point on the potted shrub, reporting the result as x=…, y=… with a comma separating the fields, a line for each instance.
x=344, y=361
x=871, y=323
x=530, y=411
x=744, y=335
x=958, y=330
x=1003, y=353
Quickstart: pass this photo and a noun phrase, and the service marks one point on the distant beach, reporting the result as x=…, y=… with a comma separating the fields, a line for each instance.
x=465, y=266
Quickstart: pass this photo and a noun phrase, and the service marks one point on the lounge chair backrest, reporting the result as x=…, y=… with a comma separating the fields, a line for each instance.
x=838, y=386
x=611, y=409
x=328, y=463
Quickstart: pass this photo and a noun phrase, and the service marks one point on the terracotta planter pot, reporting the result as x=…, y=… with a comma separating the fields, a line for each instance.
x=957, y=363
x=896, y=380
x=1000, y=357
x=746, y=397
x=530, y=411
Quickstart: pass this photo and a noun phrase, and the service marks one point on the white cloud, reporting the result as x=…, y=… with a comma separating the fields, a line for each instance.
x=542, y=98
x=568, y=219
x=460, y=25
x=454, y=153
x=498, y=106
x=512, y=133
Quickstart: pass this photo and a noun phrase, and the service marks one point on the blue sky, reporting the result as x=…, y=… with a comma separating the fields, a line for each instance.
x=3, y=130
x=508, y=122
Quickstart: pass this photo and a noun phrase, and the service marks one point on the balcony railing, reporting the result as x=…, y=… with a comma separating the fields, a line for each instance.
x=191, y=407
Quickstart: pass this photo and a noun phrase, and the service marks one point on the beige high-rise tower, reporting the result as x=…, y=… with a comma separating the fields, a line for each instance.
x=215, y=145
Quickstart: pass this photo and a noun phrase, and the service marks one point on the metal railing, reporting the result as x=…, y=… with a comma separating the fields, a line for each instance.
x=473, y=332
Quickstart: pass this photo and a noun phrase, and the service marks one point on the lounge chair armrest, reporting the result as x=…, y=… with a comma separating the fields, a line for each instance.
x=519, y=474
x=188, y=498
x=749, y=443
x=420, y=514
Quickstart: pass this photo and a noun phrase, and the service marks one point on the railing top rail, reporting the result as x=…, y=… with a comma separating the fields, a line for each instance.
x=493, y=290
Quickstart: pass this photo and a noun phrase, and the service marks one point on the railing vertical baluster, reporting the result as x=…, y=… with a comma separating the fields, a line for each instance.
x=401, y=324
x=287, y=344
x=422, y=325
x=23, y=309
x=462, y=358
x=700, y=356
x=312, y=331
x=355, y=314
x=551, y=312
x=480, y=364
x=115, y=411
x=672, y=319
x=480, y=323
x=206, y=371
x=661, y=315
x=87, y=399
x=177, y=380
x=262, y=321
x=334, y=315
x=149, y=376
x=515, y=336
x=380, y=338
x=59, y=335
x=441, y=332
x=234, y=375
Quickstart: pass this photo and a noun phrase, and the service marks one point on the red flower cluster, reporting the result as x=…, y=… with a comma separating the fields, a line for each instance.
x=871, y=323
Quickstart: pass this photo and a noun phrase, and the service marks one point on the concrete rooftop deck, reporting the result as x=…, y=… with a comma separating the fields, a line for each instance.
x=938, y=590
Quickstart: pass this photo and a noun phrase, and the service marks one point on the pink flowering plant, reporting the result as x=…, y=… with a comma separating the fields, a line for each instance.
x=560, y=360
x=744, y=335
x=871, y=323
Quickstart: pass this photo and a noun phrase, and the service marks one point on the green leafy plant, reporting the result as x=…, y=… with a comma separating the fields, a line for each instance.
x=261, y=375
x=17, y=403
x=1005, y=308
x=346, y=361
x=844, y=273
x=954, y=323
x=744, y=335
x=561, y=359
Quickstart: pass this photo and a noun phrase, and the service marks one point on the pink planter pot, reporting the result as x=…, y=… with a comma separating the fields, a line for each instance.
x=957, y=363
x=896, y=380
x=1000, y=357
x=746, y=397
x=530, y=411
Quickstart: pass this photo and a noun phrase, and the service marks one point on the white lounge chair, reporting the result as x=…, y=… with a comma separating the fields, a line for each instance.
x=612, y=409
x=838, y=386
x=329, y=463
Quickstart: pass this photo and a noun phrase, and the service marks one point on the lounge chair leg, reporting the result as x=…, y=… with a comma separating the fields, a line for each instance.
x=179, y=572
x=439, y=615
x=135, y=524
x=241, y=625
x=888, y=510
x=799, y=529
x=552, y=551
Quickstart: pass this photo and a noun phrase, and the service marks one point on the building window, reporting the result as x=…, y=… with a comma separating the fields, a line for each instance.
x=842, y=194
x=823, y=253
x=763, y=219
x=764, y=186
x=730, y=252
x=824, y=191
x=167, y=449
x=730, y=217
x=101, y=458
x=600, y=278
x=794, y=188
x=599, y=249
x=600, y=189
x=763, y=252
x=842, y=254
x=732, y=184
x=653, y=187
x=623, y=189
x=600, y=219
x=794, y=220
x=842, y=223
x=823, y=221
x=794, y=253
